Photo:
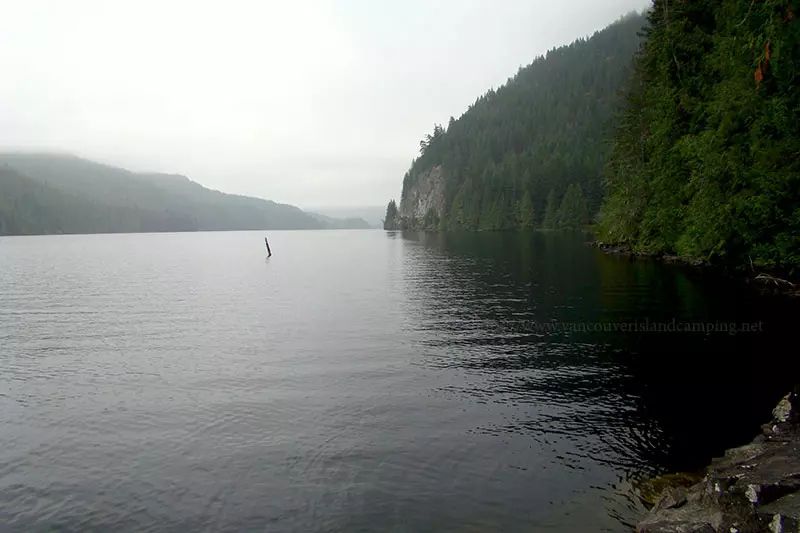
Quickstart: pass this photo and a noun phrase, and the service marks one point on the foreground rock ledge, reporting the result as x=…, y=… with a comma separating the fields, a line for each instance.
x=753, y=488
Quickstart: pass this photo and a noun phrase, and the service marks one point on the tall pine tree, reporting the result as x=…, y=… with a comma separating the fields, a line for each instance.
x=526, y=218
x=551, y=213
x=391, y=216
x=573, y=214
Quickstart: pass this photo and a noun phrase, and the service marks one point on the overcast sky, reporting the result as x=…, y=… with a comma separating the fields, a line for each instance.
x=308, y=102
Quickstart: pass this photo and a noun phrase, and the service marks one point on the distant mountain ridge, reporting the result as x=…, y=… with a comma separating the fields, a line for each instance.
x=373, y=215
x=340, y=223
x=55, y=193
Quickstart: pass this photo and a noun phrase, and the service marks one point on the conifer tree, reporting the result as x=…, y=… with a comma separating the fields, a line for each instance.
x=525, y=216
x=551, y=214
x=431, y=220
x=391, y=216
x=573, y=215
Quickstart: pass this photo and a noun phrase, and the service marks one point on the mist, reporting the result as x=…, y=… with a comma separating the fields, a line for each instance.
x=310, y=102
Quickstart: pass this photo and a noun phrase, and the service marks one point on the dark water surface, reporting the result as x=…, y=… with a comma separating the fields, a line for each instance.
x=361, y=381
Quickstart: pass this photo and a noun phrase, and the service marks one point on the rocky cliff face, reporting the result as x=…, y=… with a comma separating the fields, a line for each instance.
x=423, y=203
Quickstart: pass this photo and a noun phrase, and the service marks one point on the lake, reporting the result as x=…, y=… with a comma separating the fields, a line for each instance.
x=365, y=381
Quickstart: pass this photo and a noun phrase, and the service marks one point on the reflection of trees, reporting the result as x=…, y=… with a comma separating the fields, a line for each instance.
x=635, y=399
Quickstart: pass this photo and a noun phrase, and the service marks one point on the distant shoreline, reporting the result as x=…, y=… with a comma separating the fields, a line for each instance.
x=766, y=283
x=181, y=232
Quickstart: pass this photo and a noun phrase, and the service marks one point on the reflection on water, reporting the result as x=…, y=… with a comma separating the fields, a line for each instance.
x=361, y=381
x=492, y=293
x=638, y=402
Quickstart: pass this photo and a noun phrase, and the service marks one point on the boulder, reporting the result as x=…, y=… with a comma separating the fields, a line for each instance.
x=751, y=489
x=782, y=515
x=783, y=411
x=650, y=490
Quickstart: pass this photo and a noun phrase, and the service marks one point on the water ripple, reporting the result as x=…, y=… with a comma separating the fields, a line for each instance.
x=355, y=381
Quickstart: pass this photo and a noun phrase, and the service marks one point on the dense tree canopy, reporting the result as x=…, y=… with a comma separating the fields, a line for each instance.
x=544, y=130
x=706, y=159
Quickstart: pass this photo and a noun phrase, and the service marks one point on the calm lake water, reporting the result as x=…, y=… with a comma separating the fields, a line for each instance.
x=362, y=381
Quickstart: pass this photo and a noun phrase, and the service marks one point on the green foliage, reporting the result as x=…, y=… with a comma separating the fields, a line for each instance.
x=390, y=221
x=431, y=220
x=573, y=214
x=551, y=220
x=544, y=130
x=424, y=144
x=706, y=158
x=526, y=216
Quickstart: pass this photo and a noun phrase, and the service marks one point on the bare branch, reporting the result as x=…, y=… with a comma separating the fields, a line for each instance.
x=777, y=281
x=748, y=13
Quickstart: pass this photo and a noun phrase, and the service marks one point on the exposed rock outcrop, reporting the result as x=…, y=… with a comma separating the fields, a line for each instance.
x=423, y=203
x=751, y=489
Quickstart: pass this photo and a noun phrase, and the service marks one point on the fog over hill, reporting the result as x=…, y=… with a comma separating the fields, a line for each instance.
x=44, y=193
x=372, y=214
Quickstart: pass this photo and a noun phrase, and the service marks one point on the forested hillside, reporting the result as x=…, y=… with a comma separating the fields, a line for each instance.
x=543, y=133
x=706, y=159
x=28, y=207
x=47, y=193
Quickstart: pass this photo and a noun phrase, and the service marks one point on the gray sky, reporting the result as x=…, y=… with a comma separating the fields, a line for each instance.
x=308, y=102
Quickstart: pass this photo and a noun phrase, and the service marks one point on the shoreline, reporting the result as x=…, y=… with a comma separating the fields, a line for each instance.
x=753, y=488
x=763, y=282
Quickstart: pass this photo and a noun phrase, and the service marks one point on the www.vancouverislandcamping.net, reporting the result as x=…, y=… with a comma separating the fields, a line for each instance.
x=647, y=326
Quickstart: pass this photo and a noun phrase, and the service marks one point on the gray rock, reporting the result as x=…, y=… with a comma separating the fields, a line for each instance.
x=783, y=412
x=671, y=498
x=751, y=489
x=782, y=515
x=781, y=524
x=692, y=518
x=426, y=193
